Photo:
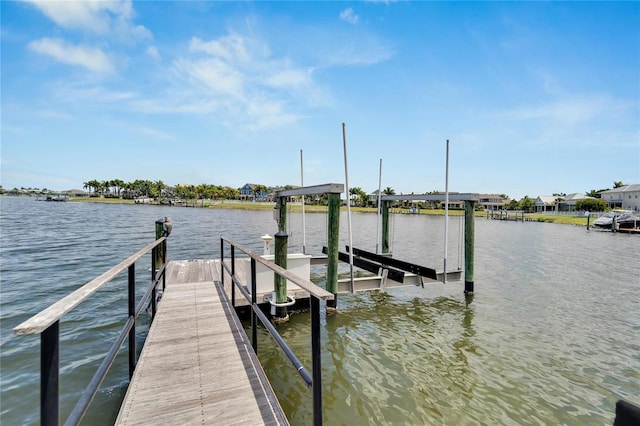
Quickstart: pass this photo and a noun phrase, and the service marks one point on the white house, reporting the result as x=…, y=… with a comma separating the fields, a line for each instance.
x=545, y=203
x=626, y=197
x=570, y=200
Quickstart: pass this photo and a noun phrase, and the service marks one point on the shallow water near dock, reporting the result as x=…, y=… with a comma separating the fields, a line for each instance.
x=551, y=336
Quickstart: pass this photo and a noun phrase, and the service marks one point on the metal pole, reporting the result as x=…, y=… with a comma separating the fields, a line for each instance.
x=346, y=183
x=446, y=214
x=222, y=263
x=49, y=374
x=233, y=274
x=378, y=211
x=154, y=266
x=304, y=236
x=316, y=367
x=254, y=317
x=132, y=315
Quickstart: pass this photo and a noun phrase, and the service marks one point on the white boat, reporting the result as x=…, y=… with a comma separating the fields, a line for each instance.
x=623, y=218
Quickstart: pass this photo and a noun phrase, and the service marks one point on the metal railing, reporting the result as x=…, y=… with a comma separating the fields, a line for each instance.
x=314, y=380
x=47, y=324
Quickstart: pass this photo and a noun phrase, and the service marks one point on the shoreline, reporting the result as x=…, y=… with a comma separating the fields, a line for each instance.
x=241, y=205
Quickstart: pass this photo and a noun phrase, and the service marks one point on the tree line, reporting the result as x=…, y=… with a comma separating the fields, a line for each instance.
x=117, y=188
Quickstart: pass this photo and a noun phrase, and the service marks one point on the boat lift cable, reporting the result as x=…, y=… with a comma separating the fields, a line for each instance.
x=346, y=182
x=304, y=237
x=378, y=211
x=460, y=242
x=446, y=215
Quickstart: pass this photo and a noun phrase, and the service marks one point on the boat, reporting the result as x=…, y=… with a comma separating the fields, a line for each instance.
x=624, y=219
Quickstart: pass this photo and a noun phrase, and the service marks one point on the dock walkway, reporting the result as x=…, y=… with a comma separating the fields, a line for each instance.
x=197, y=366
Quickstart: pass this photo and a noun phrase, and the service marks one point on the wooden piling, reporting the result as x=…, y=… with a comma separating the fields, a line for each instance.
x=280, y=258
x=386, y=206
x=333, y=247
x=469, y=237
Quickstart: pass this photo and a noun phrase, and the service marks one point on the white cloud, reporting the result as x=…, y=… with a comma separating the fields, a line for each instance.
x=154, y=133
x=94, y=16
x=347, y=15
x=213, y=74
x=568, y=111
x=88, y=57
x=232, y=48
x=153, y=52
x=237, y=78
x=296, y=78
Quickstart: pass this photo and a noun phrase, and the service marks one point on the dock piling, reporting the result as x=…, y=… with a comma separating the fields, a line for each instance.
x=469, y=237
x=386, y=206
x=280, y=258
x=333, y=246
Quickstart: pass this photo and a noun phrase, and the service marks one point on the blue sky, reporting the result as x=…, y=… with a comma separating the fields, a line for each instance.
x=535, y=97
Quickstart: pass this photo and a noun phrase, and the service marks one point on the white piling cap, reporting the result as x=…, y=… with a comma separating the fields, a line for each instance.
x=266, y=237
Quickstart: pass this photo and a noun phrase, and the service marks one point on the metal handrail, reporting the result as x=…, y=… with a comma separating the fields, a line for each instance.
x=313, y=381
x=47, y=324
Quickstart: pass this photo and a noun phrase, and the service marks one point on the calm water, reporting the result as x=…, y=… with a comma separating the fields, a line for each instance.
x=552, y=335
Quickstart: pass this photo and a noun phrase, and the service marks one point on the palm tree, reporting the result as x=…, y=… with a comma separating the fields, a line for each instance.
x=389, y=191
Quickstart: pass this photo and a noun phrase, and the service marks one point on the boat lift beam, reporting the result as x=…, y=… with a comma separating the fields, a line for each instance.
x=470, y=200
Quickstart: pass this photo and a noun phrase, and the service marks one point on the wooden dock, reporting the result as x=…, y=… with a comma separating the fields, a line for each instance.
x=197, y=366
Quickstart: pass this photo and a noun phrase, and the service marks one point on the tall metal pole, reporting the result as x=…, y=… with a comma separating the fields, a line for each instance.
x=346, y=183
x=446, y=215
x=378, y=211
x=304, y=236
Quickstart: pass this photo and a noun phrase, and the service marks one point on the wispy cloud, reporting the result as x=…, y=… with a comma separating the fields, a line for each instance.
x=237, y=77
x=569, y=111
x=81, y=93
x=154, y=133
x=96, y=17
x=349, y=16
x=153, y=52
x=90, y=58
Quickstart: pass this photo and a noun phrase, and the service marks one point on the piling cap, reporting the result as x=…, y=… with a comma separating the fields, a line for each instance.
x=266, y=237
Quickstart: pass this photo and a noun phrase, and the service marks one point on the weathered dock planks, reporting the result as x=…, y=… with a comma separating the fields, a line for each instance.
x=197, y=366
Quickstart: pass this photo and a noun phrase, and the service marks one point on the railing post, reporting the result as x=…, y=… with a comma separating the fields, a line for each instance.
x=49, y=374
x=233, y=274
x=154, y=265
x=254, y=317
x=315, y=355
x=164, y=262
x=132, y=314
x=222, y=263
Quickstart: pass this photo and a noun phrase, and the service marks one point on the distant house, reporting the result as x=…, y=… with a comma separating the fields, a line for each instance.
x=626, y=197
x=568, y=204
x=248, y=192
x=492, y=202
x=545, y=203
x=75, y=193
